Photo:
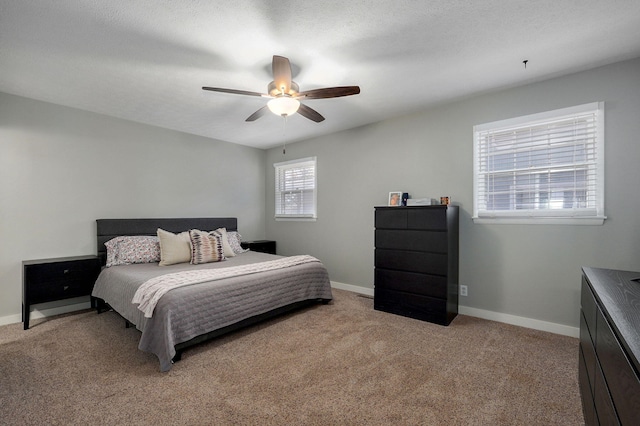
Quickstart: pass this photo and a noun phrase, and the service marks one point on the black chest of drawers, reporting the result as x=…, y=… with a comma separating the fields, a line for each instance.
x=609, y=354
x=48, y=280
x=416, y=262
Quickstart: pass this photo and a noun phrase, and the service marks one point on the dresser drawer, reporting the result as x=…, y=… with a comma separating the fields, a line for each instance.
x=412, y=261
x=433, y=218
x=623, y=382
x=392, y=218
x=410, y=282
x=602, y=400
x=411, y=305
x=588, y=409
x=430, y=241
x=61, y=271
x=589, y=308
x=588, y=351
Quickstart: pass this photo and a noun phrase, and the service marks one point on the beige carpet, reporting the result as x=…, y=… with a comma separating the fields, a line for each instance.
x=336, y=364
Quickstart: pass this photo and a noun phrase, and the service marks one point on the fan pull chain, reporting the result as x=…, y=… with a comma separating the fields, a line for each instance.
x=284, y=128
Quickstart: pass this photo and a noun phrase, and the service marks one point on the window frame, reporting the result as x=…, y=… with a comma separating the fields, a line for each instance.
x=591, y=215
x=293, y=164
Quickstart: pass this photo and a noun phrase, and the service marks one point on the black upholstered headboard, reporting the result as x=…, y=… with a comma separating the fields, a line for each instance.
x=111, y=228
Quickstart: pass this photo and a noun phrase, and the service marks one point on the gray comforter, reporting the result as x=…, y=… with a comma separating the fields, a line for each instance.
x=187, y=312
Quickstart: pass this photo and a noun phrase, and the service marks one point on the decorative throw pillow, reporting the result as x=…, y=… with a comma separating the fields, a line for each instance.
x=112, y=248
x=132, y=249
x=174, y=248
x=205, y=247
x=235, y=239
x=226, y=247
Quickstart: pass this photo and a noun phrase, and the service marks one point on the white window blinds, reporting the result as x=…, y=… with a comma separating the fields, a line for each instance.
x=547, y=165
x=296, y=188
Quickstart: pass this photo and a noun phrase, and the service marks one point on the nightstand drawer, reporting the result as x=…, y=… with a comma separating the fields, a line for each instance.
x=60, y=271
x=45, y=292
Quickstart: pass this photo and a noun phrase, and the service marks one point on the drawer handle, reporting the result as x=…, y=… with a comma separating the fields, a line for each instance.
x=65, y=288
x=66, y=271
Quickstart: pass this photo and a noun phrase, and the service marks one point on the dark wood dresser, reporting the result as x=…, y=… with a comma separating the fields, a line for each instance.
x=609, y=355
x=416, y=262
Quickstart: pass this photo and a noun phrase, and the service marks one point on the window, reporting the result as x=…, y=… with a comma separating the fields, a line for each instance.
x=296, y=189
x=541, y=168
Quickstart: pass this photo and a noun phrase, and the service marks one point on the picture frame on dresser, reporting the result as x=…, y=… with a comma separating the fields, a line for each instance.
x=395, y=199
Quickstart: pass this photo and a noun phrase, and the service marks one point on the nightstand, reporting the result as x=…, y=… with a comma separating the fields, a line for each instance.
x=264, y=246
x=48, y=280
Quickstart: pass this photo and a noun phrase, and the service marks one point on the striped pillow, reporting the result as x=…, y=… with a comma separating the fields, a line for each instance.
x=226, y=248
x=205, y=247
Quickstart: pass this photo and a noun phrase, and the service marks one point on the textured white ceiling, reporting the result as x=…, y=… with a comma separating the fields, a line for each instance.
x=146, y=60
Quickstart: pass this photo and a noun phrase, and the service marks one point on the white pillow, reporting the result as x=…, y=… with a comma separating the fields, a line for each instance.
x=174, y=248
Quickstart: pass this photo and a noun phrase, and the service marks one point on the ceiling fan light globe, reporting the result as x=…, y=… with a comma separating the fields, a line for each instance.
x=283, y=106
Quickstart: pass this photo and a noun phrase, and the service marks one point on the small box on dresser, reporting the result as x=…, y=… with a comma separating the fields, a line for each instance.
x=416, y=262
x=48, y=280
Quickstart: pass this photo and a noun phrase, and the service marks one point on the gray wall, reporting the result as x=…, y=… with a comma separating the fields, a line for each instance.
x=61, y=169
x=530, y=271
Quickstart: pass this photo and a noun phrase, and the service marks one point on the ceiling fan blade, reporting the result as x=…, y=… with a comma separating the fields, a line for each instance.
x=235, y=92
x=310, y=113
x=259, y=113
x=281, y=73
x=329, y=92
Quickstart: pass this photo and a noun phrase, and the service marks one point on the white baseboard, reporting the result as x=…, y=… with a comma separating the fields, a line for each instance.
x=352, y=288
x=535, y=324
x=35, y=314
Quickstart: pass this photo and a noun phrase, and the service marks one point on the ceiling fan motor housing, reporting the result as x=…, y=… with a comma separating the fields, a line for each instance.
x=274, y=90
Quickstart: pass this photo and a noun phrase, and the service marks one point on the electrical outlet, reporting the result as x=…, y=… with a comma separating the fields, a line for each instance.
x=463, y=290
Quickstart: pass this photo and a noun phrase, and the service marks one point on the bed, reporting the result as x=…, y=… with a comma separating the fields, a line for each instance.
x=219, y=303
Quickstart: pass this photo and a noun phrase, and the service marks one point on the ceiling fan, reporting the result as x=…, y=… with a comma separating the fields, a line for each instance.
x=285, y=94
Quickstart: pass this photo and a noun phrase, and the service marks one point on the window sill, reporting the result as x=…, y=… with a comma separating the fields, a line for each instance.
x=296, y=219
x=540, y=220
